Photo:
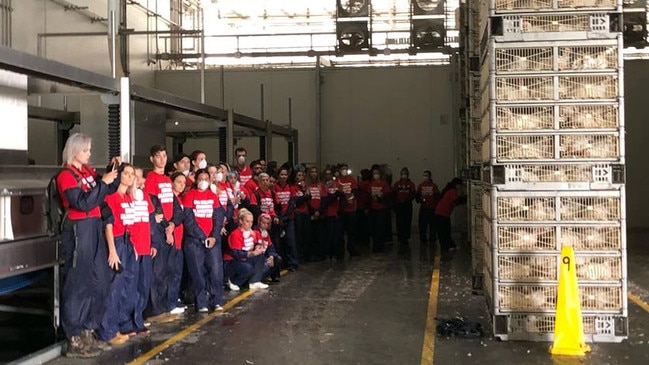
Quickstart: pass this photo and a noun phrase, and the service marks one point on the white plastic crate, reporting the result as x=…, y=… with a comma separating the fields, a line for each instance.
x=526, y=238
x=523, y=59
x=523, y=118
x=540, y=268
x=599, y=116
x=592, y=238
x=530, y=5
x=588, y=87
x=569, y=175
x=540, y=327
x=587, y=58
x=590, y=209
x=524, y=88
x=542, y=298
x=524, y=209
x=589, y=146
x=521, y=147
x=546, y=23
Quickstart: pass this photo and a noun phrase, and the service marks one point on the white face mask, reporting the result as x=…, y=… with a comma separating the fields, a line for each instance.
x=343, y=173
x=405, y=177
x=213, y=188
x=264, y=233
x=219, y=176
x=203, y=185
x=376, y=177
x=202, y=164
x=241, y=159
x=186, y=172
x=138, y=194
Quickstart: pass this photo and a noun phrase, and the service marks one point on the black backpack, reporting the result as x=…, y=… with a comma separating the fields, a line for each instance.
x=53, y=206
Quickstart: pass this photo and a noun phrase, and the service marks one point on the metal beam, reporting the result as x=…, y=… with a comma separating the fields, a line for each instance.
x=171, y=101
x=30, y=65
x=38, y=112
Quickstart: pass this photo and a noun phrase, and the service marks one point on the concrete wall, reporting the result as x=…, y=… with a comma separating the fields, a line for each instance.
x=399, y=115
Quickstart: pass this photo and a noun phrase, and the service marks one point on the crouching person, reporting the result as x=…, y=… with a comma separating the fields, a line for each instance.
x=244, y=262
x=273, y=262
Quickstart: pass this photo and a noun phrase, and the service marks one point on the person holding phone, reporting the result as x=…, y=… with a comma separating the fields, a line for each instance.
x=202, y=247
x=83, y=247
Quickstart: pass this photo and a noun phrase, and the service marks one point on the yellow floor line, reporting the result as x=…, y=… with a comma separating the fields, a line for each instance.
x=184, y=333
x=428, y=349
x=635, y=299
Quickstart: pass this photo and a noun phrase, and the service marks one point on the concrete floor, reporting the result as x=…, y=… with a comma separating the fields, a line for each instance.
x=370, y=311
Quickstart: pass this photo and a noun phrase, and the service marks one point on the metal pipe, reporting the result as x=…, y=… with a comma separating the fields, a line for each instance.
x=290, y=114
x=10, y=23
x=113, y=44
x=202, y=20
x=318, y=116
x=223, y=88
x=230, y=136
x=261, y=90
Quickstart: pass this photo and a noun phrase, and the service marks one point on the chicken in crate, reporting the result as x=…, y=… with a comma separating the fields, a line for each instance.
x=599, y=268
x=524, y=118
x=526, y=238
x=509, y=5
x=587, y=58
x=598, y=238
x=599, y=116
x=524, y=147
x=525, y=209
x=589, y=146
x=550, y=23
x=587, y=87
x=591, y=208
x=524, y=88
x=542, y=298
x=523, y=59
x=527, y=268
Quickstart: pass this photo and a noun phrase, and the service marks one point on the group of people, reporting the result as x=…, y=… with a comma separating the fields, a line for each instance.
x=132, y=244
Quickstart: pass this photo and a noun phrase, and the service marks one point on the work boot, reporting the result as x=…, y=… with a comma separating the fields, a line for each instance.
x=88, y=336
x=77, y=348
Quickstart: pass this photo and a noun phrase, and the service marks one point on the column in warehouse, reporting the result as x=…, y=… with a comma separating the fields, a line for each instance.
x=553, y=163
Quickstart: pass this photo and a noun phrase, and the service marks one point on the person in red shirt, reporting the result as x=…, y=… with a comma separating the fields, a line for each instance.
x=331, y=204
x=349, y=188
x=273, y=263
x=83, y=248
x=450, y=197
x=158, y=187
x=245, y=173
x=251, y=190
x=179, y=186
x=379, y=191
x=202, y=247
x=302, y=216
x=285, y=196
x=144, y=226
x=427, y=196
x=117, y=213
x=317, y=191
x=404, y=194
x=244, y=261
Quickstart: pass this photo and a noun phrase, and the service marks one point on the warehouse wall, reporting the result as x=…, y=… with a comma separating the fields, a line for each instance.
x=400, y=116
x=636, y=109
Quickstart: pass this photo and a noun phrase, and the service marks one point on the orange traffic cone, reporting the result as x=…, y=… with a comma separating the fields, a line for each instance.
x=568, y=326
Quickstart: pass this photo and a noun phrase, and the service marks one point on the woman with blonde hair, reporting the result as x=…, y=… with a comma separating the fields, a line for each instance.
x=245, y=260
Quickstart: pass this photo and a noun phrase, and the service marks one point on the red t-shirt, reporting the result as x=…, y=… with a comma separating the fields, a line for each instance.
x=160, y=185
x=245, y=175
x=267, y=203
x=404, y=189
x=241, y=240
x=302, y=208
x=122, y=211
x=140, y=230
x=266, y=241
x=317, y=191
x=427, y=191
x=66, y=180
x=379, y=189
x=222, y=190
x=347, y=186
x=283, y=195
x=446, y=203
x=203, y=203
x=249, y=189
x=332, y=208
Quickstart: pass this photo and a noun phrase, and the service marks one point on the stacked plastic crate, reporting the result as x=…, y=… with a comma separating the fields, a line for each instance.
x=553, y=157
